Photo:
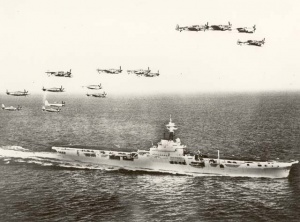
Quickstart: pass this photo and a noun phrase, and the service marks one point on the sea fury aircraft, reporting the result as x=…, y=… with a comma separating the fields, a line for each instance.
x=54, y=89
x=195, y=28
x=98, y=95
x=11, y=108
x=53, y=110
x=110, y=71
x=61, y=73
x=17, y=93
x=152, y=74
x=139, y=72
x=221, y=27
x=55, y=104
x=252, y=42
x=94, y=87
x=247, y=29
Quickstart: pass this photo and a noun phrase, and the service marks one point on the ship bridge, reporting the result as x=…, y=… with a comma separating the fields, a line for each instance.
x=169, y=147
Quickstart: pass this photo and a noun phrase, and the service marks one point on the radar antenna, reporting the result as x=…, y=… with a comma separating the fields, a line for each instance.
x=171, y=127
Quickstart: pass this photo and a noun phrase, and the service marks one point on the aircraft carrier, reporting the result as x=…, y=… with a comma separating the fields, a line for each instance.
x=170, y=156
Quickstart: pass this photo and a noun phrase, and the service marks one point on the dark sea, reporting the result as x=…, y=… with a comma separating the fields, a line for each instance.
x=256, y=125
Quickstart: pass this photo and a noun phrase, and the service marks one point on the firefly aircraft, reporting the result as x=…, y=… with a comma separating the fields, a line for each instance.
x=221, y=27
x=61, y=73
x=94, y=87
x=139, y=72
x=247, y=29
x=17, y=93
x=152, y=74
x=53, y=110
x=195, y=28
x=54, y=89
x=55, y=104
x=11, y=108
x=98, y=95
x=252, y=42
x=110, y=71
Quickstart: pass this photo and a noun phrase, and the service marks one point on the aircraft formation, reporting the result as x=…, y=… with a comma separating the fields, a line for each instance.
x=228, y=27
x=56, y=107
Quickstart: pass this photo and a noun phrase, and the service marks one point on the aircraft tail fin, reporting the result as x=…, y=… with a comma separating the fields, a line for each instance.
x=3, y=107
x=206, y=26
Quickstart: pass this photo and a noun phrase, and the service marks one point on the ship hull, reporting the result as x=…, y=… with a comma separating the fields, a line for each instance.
x=184, y=165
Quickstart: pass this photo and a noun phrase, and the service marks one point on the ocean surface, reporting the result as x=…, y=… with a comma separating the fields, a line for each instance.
x=42, y=188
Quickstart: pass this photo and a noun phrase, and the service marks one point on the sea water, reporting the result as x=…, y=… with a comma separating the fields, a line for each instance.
x=35, y=185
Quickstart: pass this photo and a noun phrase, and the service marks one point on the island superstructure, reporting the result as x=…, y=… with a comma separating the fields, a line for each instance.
x=171, y=156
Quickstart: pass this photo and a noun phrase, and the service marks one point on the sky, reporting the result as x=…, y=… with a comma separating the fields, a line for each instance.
x=39, y=36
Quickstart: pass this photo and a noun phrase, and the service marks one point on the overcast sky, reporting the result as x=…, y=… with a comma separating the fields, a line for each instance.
x=39, y=36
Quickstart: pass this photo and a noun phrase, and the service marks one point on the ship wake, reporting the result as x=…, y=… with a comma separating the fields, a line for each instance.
x=19, y=155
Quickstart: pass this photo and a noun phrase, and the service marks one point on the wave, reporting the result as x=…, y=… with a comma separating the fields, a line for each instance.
x=14, y=148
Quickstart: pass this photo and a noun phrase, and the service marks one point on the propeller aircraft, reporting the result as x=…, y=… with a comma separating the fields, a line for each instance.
x=54, y=89
x=139, y=72
x=17, y=93
x=11, y=108
x=55, y=104
x=252, y=42
x=98, y=95
x=94, y=87
x=53, y=110
x=61, y=73
x=221, y=27
x=195, y=28
x=152, y=74
x=110, y=71
x=247, y=29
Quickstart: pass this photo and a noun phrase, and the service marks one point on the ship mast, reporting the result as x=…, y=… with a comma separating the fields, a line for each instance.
x=171, y=128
